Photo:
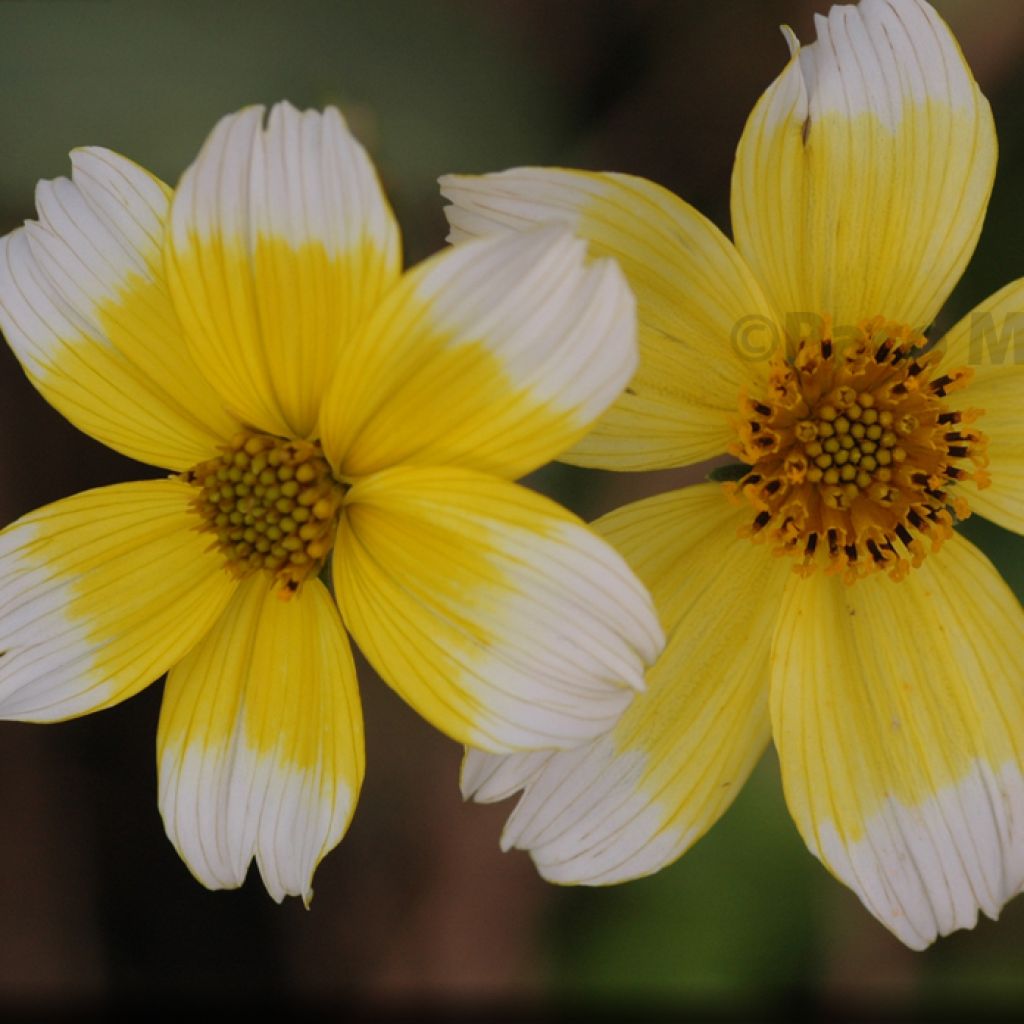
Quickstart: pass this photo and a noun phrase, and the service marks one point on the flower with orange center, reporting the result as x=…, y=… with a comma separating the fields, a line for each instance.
x=252, y=333
x=820, y=596
x=854, y=457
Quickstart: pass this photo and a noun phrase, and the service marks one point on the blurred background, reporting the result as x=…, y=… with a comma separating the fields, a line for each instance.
x=417, y=910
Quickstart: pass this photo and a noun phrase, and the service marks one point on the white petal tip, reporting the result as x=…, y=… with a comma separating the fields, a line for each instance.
x=791, y=40
x=927, y=870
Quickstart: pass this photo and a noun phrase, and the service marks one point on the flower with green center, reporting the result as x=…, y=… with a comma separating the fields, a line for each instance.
x=253, y=333
x=821, y=598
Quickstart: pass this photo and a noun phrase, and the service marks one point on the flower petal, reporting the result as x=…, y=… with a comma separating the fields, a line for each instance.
x=100, y=594
x=496, y=355
x=864, y=171
x=260, y=747
x=898, y=713
x=705, y=328
x=281, y=243
x=632, y=801
x=494, y=612
x=986, y=341
x=84, y=305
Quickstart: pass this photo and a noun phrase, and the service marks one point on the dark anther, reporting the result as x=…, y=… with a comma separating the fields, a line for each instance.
x=875, y=553
x=958, y=451
x=762, y=519
x=904, y=534
x=812, y=543
x=851, y=552
x=762, y=409
x=772, y=486
x=826, y=348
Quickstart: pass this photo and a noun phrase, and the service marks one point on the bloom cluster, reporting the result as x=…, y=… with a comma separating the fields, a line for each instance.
x=342, y=441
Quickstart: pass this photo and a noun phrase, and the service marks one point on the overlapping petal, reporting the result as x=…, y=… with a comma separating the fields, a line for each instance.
x=100, y=594
x=495, y=613
x=85, y=307
x=898, y=713
x=864, y=171
x=260, y=748
x=632, y=801
x=281, y=243
x=496, y=356
x=989, y=341
x=706, y=330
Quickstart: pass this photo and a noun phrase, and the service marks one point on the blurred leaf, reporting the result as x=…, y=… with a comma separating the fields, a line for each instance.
x=729, y=472
x=730, y=922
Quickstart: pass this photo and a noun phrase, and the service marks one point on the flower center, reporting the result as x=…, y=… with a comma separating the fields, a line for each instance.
x=855, y=457
x=272, y=504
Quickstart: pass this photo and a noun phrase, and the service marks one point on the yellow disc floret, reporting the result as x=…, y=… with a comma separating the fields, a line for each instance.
x=855, y=456
x=273, y=505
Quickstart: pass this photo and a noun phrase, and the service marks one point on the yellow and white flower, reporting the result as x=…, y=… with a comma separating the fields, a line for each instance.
x=889, y=667
x=253, y=333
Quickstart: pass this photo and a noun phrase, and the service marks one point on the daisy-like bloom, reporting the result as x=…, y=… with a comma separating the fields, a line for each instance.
x=822, y=598
x=253, y=333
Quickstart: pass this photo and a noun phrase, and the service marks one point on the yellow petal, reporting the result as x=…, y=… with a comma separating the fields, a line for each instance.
x=990, y=342
x=864, y=171
x=632, y=801
x=260, y=747
x=84, y=305
x=100, y=594
x=496, y=614
x=281, y=243
x=898, y=713
x=496, y=356
x=705, y=328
